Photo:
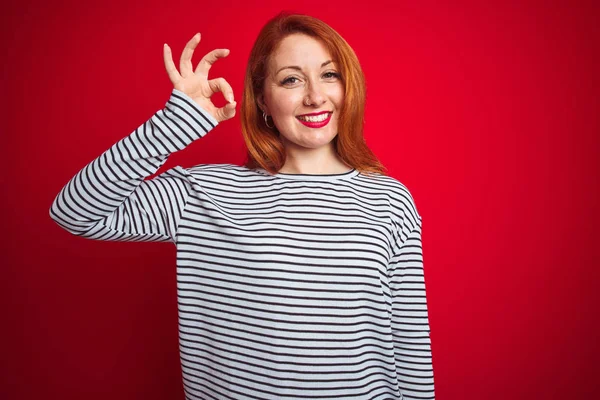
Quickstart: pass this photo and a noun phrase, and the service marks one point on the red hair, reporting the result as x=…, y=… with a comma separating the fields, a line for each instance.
x=265, y=149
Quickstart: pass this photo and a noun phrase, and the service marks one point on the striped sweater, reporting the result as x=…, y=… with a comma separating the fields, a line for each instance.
x=289, y=286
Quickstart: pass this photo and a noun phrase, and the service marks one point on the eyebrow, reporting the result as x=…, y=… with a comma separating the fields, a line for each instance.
x=300, y=69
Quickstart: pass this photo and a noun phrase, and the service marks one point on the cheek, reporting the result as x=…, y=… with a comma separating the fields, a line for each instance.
x=285, y=104
x=337, y=96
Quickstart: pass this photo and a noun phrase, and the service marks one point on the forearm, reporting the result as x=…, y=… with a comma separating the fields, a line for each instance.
x=104, y=191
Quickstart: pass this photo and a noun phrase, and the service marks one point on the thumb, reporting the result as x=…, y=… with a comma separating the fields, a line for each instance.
x=229, y=110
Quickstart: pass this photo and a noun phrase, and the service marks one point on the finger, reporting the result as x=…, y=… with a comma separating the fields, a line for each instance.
x=170, y=65
x=209, y=59
x=221, y=85
x=226, y=112
x=185, y=62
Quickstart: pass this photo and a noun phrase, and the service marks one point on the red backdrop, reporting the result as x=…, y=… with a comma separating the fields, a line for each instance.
x=488, y=113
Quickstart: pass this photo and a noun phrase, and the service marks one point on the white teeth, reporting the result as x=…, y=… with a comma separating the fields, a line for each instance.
x=315, y=118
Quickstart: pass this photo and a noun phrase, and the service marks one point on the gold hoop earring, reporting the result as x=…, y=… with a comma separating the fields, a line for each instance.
x=266, y=123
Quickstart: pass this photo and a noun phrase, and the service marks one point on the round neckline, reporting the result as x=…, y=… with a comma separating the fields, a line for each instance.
x=313, y=177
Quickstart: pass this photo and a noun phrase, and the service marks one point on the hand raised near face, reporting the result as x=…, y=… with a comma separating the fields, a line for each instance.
x=195, y=83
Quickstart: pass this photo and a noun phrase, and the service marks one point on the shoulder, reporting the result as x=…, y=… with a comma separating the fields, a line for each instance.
x=230, y=172
x=399, y=195
x=208, y=168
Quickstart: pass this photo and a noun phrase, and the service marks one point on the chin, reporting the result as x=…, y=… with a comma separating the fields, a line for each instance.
x=309, y=137
x=315, y=144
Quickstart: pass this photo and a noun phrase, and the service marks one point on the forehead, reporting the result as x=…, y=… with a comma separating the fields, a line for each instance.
x=299, y=50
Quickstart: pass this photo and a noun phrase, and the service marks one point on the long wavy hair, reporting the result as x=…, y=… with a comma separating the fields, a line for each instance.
x=265, y=149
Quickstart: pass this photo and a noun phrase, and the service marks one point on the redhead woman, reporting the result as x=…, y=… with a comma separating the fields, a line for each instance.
x=300, y=273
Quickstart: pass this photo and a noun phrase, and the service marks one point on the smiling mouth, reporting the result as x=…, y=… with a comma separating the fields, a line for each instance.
x=315, y=118
x=315, y=121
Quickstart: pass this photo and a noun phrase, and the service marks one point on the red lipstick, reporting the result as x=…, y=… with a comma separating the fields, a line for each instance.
x=315, y=124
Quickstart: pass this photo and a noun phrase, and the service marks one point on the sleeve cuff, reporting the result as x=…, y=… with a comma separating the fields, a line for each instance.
x=187, y=104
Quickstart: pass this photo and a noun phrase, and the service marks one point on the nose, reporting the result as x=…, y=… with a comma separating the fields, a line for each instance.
x=315, y=94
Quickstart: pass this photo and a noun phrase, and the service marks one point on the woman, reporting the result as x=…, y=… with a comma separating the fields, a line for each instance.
x=300, y=274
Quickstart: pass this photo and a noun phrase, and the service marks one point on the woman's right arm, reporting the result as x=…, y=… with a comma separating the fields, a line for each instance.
x=109, y=198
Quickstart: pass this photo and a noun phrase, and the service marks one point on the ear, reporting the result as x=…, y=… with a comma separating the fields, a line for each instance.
x=261, y=103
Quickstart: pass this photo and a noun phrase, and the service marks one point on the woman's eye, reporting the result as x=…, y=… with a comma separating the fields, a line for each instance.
x=329, y=75
x=290, y=80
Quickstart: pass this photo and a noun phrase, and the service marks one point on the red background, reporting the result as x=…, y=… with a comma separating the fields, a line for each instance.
x=488, y=113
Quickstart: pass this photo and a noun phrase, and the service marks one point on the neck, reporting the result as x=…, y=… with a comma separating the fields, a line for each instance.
x=323, y=160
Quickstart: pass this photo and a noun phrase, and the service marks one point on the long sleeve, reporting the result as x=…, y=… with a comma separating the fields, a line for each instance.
x=410, y=321
x=109, y=198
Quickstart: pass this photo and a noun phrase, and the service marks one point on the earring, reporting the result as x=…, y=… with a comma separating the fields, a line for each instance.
x=266, y=123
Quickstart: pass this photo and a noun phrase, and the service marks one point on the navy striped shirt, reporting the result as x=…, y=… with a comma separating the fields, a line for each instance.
x=289, y=286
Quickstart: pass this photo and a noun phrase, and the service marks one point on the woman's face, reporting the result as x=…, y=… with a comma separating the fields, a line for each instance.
x=303, y=79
